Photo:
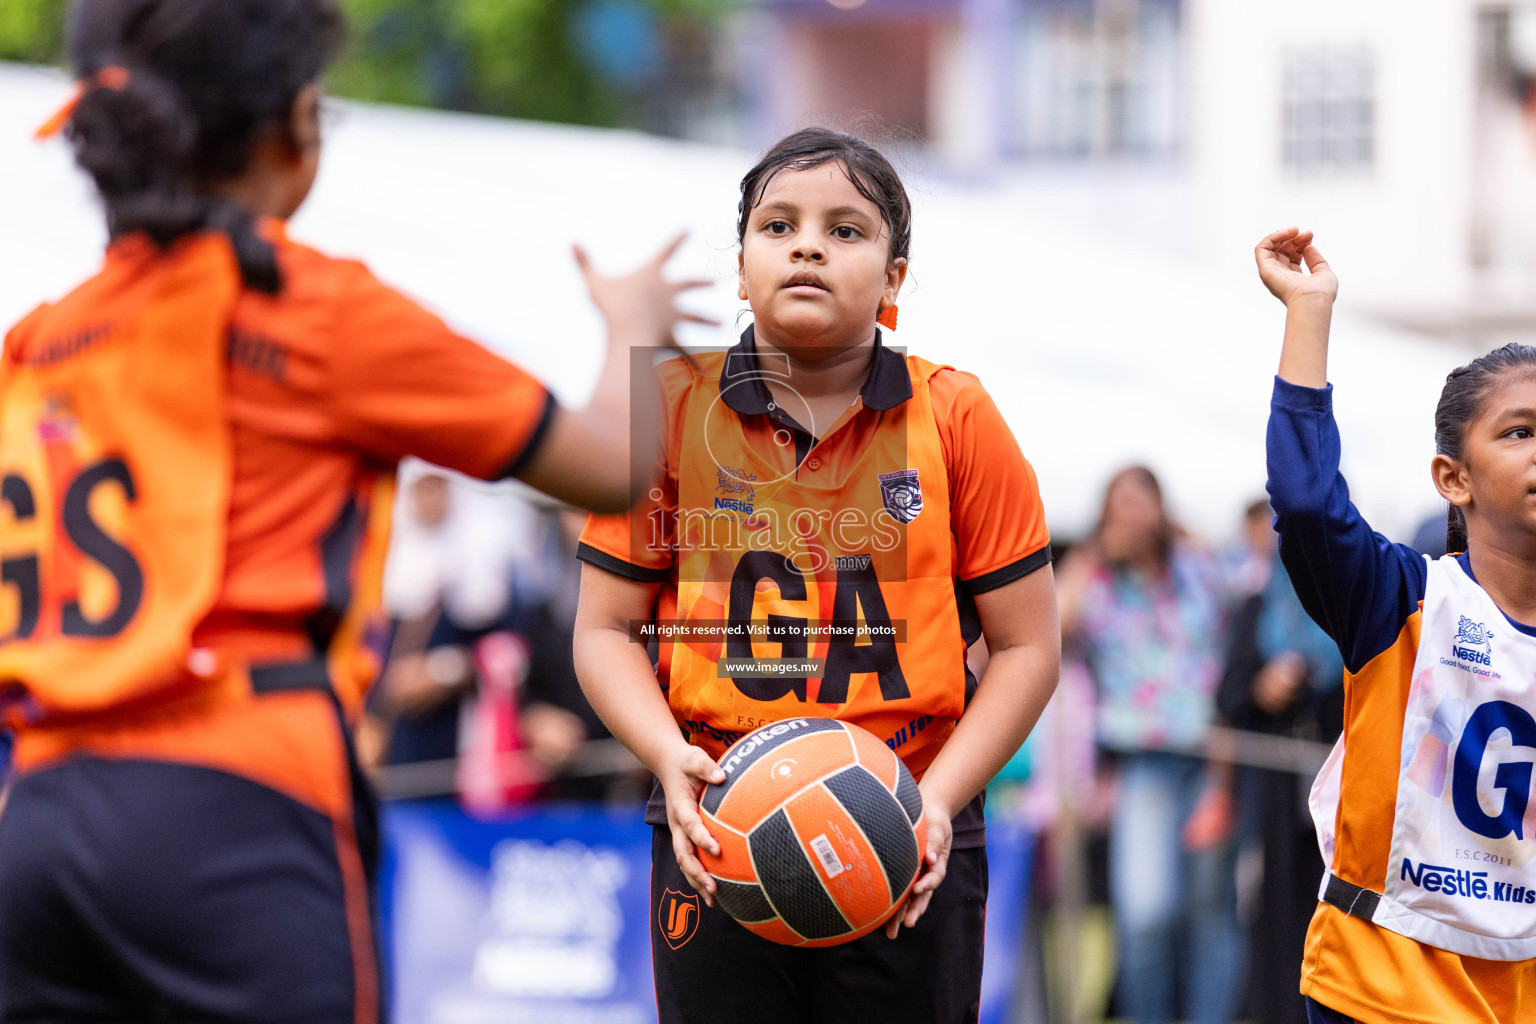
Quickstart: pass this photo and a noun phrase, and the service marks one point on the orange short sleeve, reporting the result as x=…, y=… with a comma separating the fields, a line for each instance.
x=639, y=545
x=997, y=515
x=636, y=545
x=403, y=383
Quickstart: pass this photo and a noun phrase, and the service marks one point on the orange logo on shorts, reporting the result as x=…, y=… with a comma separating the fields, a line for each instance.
x=678, y=917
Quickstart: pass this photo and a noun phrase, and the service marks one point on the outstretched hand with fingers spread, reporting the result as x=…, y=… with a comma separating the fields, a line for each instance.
x=1281, y=258
x=683, y=777
x=641, y=306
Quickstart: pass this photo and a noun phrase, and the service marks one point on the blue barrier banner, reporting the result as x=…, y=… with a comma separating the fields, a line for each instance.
x=543, y=917
x=535, y=918
x=1010, y=864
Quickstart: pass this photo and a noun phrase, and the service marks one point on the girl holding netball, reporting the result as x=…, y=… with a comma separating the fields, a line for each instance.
x=814, y=474
x=196, y=453
x=1424, y=812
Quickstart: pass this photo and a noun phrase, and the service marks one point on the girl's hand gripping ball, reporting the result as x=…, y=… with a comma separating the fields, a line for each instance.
x=819, y=833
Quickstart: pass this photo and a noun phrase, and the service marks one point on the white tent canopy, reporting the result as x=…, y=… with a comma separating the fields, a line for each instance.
x=1099, y=353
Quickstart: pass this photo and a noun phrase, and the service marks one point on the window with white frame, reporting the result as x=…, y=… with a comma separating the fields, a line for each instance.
x=1096, y=79
x=1328, y=111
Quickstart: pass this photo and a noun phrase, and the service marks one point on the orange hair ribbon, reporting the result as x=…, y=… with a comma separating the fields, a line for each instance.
x=110, y=77
x=887, y=318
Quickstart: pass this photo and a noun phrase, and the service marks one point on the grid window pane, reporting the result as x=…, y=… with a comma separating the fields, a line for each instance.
x=1328, y=114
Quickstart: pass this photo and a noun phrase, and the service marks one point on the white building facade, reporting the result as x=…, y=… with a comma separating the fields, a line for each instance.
x=1402, y=131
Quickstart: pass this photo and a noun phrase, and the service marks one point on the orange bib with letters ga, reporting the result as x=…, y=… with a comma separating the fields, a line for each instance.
x=851, y=569
x=115, y=469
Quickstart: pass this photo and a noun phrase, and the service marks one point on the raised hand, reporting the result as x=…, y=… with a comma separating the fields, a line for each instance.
x=641, y=306
x=586, y=457
x=1295, y=272
x=1292, y=268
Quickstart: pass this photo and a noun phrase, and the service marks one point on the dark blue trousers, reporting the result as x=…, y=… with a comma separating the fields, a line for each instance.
x=1317, y=1013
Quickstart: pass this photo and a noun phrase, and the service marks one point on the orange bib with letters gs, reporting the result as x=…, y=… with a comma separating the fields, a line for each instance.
x=850, y=570
x=115, y=469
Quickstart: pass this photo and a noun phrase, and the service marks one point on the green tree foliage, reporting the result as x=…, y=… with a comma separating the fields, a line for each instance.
x=513, y=57
x=520, y=62
x=32, y=30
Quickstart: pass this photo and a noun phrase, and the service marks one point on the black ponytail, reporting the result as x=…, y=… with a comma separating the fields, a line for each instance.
x=1462, y=401
x=206, y=79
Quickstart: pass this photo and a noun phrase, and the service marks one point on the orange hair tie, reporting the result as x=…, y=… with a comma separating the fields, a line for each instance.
x=110, y=77
x=887, y=318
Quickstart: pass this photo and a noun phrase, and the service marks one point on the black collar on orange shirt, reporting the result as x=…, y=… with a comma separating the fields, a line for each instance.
x=742, y=386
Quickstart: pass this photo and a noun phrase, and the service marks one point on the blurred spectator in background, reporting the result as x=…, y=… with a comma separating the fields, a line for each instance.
x=1068, y=801
x=557, y=720
x=1283, y=676
x=1251, y=560
x=450, y=573
x=1149, y=610
x=481, y=586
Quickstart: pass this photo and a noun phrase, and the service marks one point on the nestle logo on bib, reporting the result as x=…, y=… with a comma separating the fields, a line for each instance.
x=1469, y=632
x=1470, y=635
x=1468, y=654
x=1455, y=881
x=1466, y=884
x=735, y=489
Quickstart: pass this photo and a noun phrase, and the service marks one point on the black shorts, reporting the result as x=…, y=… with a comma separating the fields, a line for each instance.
x=150, y=891
x=716, y=970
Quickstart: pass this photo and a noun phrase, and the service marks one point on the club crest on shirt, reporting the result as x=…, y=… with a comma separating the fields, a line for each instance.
x=902, y=494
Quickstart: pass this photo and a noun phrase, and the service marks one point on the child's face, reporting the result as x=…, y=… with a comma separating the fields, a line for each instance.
x=1495, y=479
x=815, y=263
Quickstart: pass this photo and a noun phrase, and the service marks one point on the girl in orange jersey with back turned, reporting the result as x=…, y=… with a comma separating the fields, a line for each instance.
x=811, y=419
x=196, y=453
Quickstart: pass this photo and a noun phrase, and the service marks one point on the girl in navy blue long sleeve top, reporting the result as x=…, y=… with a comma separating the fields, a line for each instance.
x=1424, y=811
